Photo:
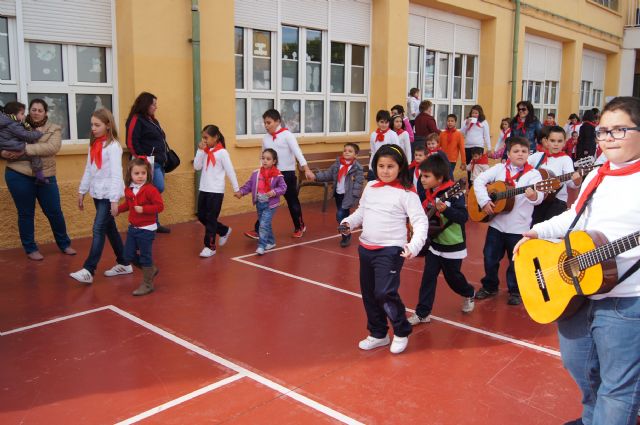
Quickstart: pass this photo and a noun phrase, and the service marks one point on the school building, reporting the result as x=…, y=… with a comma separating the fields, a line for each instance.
x=327, y=65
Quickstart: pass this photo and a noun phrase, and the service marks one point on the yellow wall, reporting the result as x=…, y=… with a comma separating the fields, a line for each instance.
x=154, y=54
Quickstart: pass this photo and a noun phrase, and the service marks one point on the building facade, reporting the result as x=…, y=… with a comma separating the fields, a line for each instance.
x=327, y=65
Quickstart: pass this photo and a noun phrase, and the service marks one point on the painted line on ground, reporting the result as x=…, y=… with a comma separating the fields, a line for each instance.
x=180, y=400
x=57, y=319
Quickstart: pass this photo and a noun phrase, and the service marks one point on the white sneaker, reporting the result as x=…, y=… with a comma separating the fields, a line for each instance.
x=207, y=252
x=369, y=343
x=414, y=319
x=467, y=305
x=260, y=250
x=223, y=239
x=118, y=269
x=269, y=246
x=82, y=276
x=399, y=344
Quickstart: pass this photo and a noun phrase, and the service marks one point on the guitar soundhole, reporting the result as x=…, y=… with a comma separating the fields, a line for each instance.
x=564, y=268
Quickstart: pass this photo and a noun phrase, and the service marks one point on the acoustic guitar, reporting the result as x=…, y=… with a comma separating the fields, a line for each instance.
x=582, y=166
x=545, y=273
x=435, y=221
x=503, y=196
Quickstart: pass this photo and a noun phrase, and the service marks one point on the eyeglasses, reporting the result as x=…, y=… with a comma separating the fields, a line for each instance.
x=522, y=109
x=616, y=133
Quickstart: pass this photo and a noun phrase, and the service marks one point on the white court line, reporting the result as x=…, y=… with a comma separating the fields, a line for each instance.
x=443, y=320
x=58, y=319
x=182, y=399
x=241, y=370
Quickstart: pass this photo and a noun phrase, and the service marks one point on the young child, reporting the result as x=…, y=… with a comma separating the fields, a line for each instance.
x=381, y=136
x=550, y=121
x=505, y=229
x=15, y=134
x=570, y=146
x=385, y=205
x=214, y=161
x=403, y=136
x=554, y=159
x=433, y=146
x=452, y=142
x=607, y=323
x=143, y=201
x=573, y=124
x=505, y=133
x=478, y=165
x=476, y=133
x=347, y=176
x=102, y=179
x=413, y=104
x=419, y=155
x=399, y=110
x=448, y=248
x=285, y=144
x=266, y=186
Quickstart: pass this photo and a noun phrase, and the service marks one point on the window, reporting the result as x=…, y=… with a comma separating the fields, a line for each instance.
x=8, y=82
x=5, y=57
x=261, y=53
x=239, y=56
x=543, y=95
x=290, y=59
x=314, y=61
x=611, y=4
x=337, y=67
x=590, y=97
x=413, y=77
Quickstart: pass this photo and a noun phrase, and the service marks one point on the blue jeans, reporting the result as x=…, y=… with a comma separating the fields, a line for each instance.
x=600, y=348
x=104, y=225
x=341, y=213
x=138, y=247
x=158, y=181
x=265, y=231
x=496, y=245
x=24, y=192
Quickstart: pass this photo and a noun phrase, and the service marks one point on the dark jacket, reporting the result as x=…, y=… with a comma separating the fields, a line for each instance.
x=13, y=134
x=453, y=237
x=352, y=184
x=145, y=137
x=425, y=124
x=531, y=132
x=586, y=141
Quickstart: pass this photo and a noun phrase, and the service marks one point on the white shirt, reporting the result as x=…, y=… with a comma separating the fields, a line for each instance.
x=518, y=220
x=405, y=143
x=413, y=107
x=106, y=182
x=502, y=141
x=287, y=148
x=477, y=135
x=390, y=138
x=383, y=213
x=559, y=165
x=135, y=188
x=212, y=177
x=613, y=210
x=568, y=129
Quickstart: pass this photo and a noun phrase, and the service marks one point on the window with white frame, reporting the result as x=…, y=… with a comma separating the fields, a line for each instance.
x=592, y=80
x=8, y=83
x=611, y=4
x=543, y=95
x=590, y=97
x=320, y=86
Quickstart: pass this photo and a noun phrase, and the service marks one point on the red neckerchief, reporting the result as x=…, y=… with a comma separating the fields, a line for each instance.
x=342, y=172
x=399, y=131
x=540, y=148
x=603, y=172
x=511, y=181
x=521, y=125
x=505, y=134
x=591, y=123
x=568, y=147
x=380, y=135
x=395, y=184
x=483, y=160
x=549, y=123
x=546, y=154
x=211, y=159
x=95, y=153
x=433, y=151
x=471, y=125
x=416, y=168
x=431, y=194
x=274, y=135
x=267, y=175
x=573, y=126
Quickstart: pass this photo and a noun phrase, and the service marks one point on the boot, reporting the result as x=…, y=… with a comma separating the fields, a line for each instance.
x=148, y=273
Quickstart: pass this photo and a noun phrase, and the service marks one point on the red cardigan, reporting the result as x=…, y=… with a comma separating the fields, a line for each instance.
x=425, y=124
x=149, y=199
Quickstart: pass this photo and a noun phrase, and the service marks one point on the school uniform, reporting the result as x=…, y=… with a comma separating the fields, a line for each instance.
x=559, y=164
x=377, y=139
x=214, y=164
x=413, y=108
x=501, y=145
x=405, y=143
x=477, y=167
x=476, y=135
x=570, y=128
x=347, y=181
x=382, y=214
x=505, y=229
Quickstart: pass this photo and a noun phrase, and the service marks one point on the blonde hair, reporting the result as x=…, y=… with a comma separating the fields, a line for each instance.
x=106, y=117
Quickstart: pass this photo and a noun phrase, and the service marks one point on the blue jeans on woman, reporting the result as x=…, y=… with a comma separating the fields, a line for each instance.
x=24, y=192
x=600, y=346
x=104, y=225
x=265, y=231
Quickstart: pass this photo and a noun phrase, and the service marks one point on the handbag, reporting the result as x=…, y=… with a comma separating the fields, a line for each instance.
x=173, y=160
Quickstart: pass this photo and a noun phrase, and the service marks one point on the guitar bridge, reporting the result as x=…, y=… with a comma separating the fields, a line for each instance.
x=542, y=285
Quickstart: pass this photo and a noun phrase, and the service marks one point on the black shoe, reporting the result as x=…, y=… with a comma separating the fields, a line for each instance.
x=163, y=229
x=483, y=294
x=514, y=299
x=346, y=241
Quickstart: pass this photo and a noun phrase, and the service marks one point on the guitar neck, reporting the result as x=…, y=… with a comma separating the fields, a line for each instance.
x=582, y=171
x=510, y=193
x=608, y=251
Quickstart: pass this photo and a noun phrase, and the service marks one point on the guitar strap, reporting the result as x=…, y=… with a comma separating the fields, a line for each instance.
x=544, y=155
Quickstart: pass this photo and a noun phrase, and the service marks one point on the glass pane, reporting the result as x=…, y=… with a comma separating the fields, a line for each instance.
x=457, y=77
x=313, y=77
x=357, y=55
x=239, y=41
x=466, y=110
x=537, y=92
x=239, y=72
x=261, y=60
x=538, y=113
x=258, y=107
x=441, y=115
x=7, y=97
x=92, y=64
x=290, y=58
x=357, y=111
x=58, y=110
x=412, y=80
x=468, y=89
x=5, y=71
x=314, y=116
x=337, y=78
x=241, y=116
x=86, y=104
x=289, y=75
x=443, y=72
x=314, y=60
x=414, y=59
x=357, y=80
x=429, y=74
x=337, y=117
x=547, y=93
x=530, y=91
x=45, y=61
x=337, y=52
x=290, y=110
x=554, y=86
x=470, y=75
x=457, y=110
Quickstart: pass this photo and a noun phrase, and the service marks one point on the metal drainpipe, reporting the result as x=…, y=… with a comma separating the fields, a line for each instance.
x=514, y=61
x=197, y=89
